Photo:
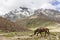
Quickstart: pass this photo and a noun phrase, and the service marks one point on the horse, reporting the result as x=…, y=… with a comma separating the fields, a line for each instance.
x=40, y=30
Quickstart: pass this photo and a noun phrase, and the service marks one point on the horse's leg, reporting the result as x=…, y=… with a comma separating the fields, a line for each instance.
x=48, y=32
x=45, y=33
x=37, y=34
x=40, y=34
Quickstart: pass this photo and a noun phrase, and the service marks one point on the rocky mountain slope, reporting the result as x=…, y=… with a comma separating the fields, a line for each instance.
x=25, y=12
x=21, y=12
x=38, y=18
x=48, y=14
x=7, y=25
x=41, y=17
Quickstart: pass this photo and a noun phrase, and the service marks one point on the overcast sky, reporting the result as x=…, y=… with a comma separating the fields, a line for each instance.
x=7, y=5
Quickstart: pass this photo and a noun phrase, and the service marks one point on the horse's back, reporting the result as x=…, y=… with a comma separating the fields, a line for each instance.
x=43, y=29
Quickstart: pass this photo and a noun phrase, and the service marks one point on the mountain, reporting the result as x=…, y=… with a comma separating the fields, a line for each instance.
x=35, y=21
x=48, y=14
x=41, y=17
x=21, y=12
x=24, y=12
x=7, y=25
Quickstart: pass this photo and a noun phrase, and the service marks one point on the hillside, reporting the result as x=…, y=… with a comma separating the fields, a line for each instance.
x=36, y=22
x=41, y=17
x=7, y=25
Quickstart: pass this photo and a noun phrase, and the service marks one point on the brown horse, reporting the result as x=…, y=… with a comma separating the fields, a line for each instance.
x=40, y=30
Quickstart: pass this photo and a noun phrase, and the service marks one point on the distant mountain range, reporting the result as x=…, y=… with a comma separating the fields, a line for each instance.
x=22, y=12
x=25, y=12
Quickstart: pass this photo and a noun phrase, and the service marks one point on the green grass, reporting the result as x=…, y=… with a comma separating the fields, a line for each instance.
x=9, y=35
x=12, y=34
x=39, y=22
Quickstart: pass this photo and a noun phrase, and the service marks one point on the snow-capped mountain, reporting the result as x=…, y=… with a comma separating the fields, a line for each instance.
x=22, y=12
x=49, y=14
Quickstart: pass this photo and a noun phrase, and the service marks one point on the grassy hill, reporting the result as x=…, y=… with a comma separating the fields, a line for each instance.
x=36, y=22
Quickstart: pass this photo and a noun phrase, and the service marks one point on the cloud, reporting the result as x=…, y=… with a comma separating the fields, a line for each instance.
x=3, y=11
x=47, y=6
x=58, y=7
x=7, y=5
x=56, y=3
x=58, y=0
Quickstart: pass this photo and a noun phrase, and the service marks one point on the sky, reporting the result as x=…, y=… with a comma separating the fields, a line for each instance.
x=7, y=5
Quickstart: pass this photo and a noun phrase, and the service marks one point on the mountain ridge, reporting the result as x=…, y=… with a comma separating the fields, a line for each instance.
x=21, y=14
